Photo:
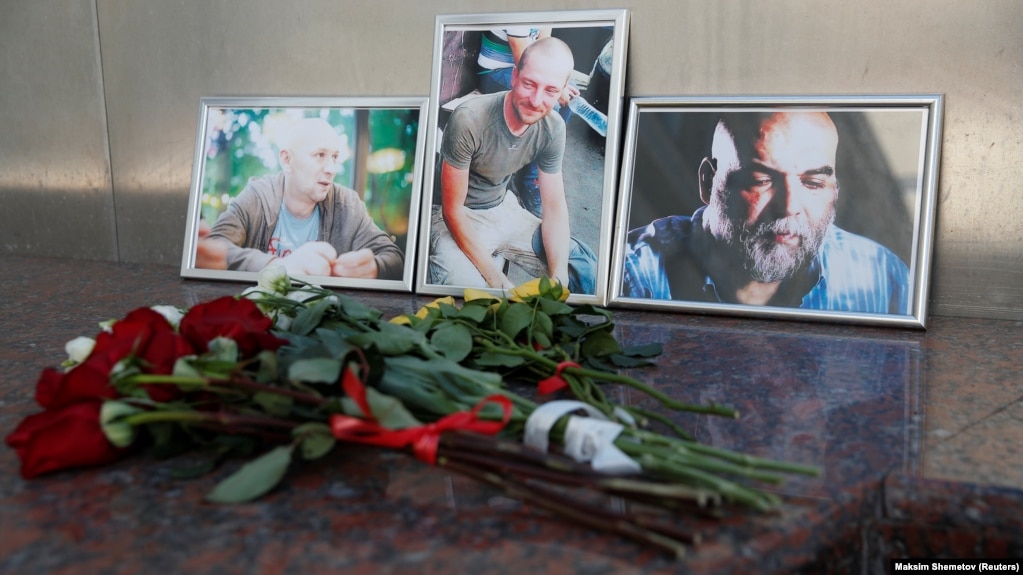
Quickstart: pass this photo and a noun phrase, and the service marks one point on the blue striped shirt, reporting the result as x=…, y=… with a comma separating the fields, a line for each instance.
x=850, y=273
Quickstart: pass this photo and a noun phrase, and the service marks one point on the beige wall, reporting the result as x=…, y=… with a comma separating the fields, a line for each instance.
x=99, y=100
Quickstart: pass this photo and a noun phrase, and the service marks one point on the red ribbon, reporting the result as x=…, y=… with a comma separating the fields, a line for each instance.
x=424, y=439
x=555, y=382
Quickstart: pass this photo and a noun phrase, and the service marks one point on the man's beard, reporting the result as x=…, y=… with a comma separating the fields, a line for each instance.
x=764, y=259
x=768, y=261
x=522, y=109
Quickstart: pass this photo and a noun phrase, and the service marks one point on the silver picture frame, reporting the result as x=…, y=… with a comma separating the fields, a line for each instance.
x=688, y=240
x=598, y=40
x=378, y=163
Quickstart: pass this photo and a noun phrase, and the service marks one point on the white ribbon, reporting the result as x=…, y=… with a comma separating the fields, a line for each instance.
x=586, y=438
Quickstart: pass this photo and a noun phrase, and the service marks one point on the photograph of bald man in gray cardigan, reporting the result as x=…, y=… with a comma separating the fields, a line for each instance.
x=327, y=189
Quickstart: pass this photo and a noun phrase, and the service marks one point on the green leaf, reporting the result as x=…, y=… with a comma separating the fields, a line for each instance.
x=235, y=445
x=315, y=439
x=309, y=317
x=357, y=310
x=555, y=307
x=268, y=367
x=629, y=361
x=255, y=478
x=447, y=310
x=473, y=312
x=453, y=340
x=645, y=350
x=273, y=403
x=423, y=325
x=571, y=328
x=419, y=384
x=542, y=327
x=599, y=344
x=386, y=410
x=205, y=366
x=392, y=339
x=542, y=340
x=589, y=309
x=334, y=341
x=315, y=370
x=316, y=446
x=495, y=359
x=516, y=318
x=197, y=470
x=597, y=364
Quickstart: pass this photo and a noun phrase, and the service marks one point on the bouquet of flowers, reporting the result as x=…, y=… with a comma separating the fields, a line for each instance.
x=287, y=370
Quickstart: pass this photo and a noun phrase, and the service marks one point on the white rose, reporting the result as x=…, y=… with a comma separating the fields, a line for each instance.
x=171, y=313
x=79, y=348
x=274, y=278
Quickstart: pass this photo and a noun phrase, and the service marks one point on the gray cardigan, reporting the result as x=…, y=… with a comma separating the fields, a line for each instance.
x=251, y=218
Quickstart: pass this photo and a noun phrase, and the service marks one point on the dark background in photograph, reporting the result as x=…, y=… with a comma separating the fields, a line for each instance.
x=671, y=144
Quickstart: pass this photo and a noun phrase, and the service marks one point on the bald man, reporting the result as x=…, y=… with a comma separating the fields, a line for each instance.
x=479, y=222
x=766, y=235
x=300, y=218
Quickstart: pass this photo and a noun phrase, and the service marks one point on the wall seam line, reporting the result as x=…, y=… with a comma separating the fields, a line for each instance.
x=106, y=128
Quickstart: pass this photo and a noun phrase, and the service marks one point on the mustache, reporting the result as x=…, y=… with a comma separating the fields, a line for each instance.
x=784, y=226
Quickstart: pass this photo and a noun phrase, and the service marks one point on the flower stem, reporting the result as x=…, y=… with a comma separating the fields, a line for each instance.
x=599, y=375
x=665, y=399
x=239, y=382
x=246, y=383
x=188, y=416
x=578, y=511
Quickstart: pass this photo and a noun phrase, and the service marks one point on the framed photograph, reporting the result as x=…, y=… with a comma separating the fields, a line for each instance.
x=328, y=187
x=523, y=141
x=814, y=208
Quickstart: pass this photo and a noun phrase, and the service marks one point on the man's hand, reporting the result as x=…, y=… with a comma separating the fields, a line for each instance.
x=210, y=254
x=312, y=259
x=357, y=264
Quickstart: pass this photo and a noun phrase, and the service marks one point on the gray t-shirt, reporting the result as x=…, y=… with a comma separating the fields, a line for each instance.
x=477, y=138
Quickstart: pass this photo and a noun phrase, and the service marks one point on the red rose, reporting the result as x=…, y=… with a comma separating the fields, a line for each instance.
x=144, y=335
x=86, y=382
x=236, y=319
x=150, y=338
x=61, y=439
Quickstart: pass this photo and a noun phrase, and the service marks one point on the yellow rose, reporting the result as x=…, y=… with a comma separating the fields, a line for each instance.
x=474, y=294
x=435, y=304
x=401, y=320
x=538, y=287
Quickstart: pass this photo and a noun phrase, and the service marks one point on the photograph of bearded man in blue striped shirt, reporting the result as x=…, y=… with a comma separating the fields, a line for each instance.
x=766, y=234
